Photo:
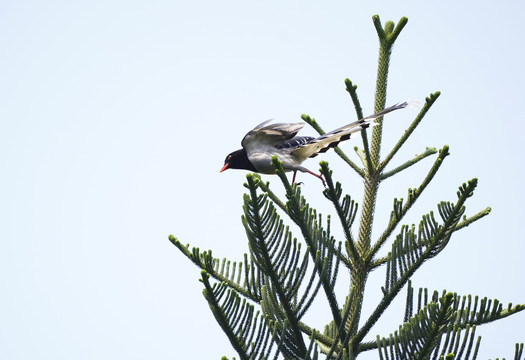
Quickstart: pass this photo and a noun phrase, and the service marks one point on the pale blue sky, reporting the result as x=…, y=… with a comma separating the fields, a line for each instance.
x=116, y=116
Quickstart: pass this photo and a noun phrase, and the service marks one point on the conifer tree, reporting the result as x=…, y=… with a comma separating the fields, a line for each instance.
x=260, y=302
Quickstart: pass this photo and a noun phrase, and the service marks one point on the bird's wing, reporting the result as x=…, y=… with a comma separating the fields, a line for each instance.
x=269, y=135
x=333, y=138
x=295, y=142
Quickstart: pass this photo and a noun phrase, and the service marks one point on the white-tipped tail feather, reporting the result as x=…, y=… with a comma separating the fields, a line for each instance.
x=333, y=138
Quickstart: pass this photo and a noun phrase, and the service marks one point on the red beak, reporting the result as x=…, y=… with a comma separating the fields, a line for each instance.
x=224, y=167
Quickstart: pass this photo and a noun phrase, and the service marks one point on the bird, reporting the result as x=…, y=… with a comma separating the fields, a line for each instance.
x=269, y=139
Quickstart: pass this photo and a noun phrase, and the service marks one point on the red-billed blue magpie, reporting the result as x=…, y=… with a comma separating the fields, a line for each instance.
x=266, y=140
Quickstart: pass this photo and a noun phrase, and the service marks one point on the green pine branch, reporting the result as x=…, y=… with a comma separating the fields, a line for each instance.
x=265, y=187
x=429, y=326
x=244, y=277
x=261, y=302
x=401, y=210
x=465, y=315
x=315, y=237
x=346, y=211
x=247, y=331
x=464, y=223
x=429, y=101
x=409, y=163
x=411, y=250
x=365, y=159
x=265, y=232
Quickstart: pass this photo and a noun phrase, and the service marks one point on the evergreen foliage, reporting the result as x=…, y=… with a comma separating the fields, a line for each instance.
x=260, y=302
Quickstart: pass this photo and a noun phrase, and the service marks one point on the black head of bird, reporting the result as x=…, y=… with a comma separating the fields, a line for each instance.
x=238, y=160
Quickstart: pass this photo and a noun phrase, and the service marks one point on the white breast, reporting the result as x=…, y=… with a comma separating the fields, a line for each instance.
x=262, y=161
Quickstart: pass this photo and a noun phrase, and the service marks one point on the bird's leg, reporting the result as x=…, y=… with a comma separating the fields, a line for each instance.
x=314, y=174
x=293, y=179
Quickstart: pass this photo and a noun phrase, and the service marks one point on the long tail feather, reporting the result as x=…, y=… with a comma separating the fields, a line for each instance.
x=333, y=138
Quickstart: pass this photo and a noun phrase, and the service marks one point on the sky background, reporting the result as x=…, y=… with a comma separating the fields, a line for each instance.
x=116, y=116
